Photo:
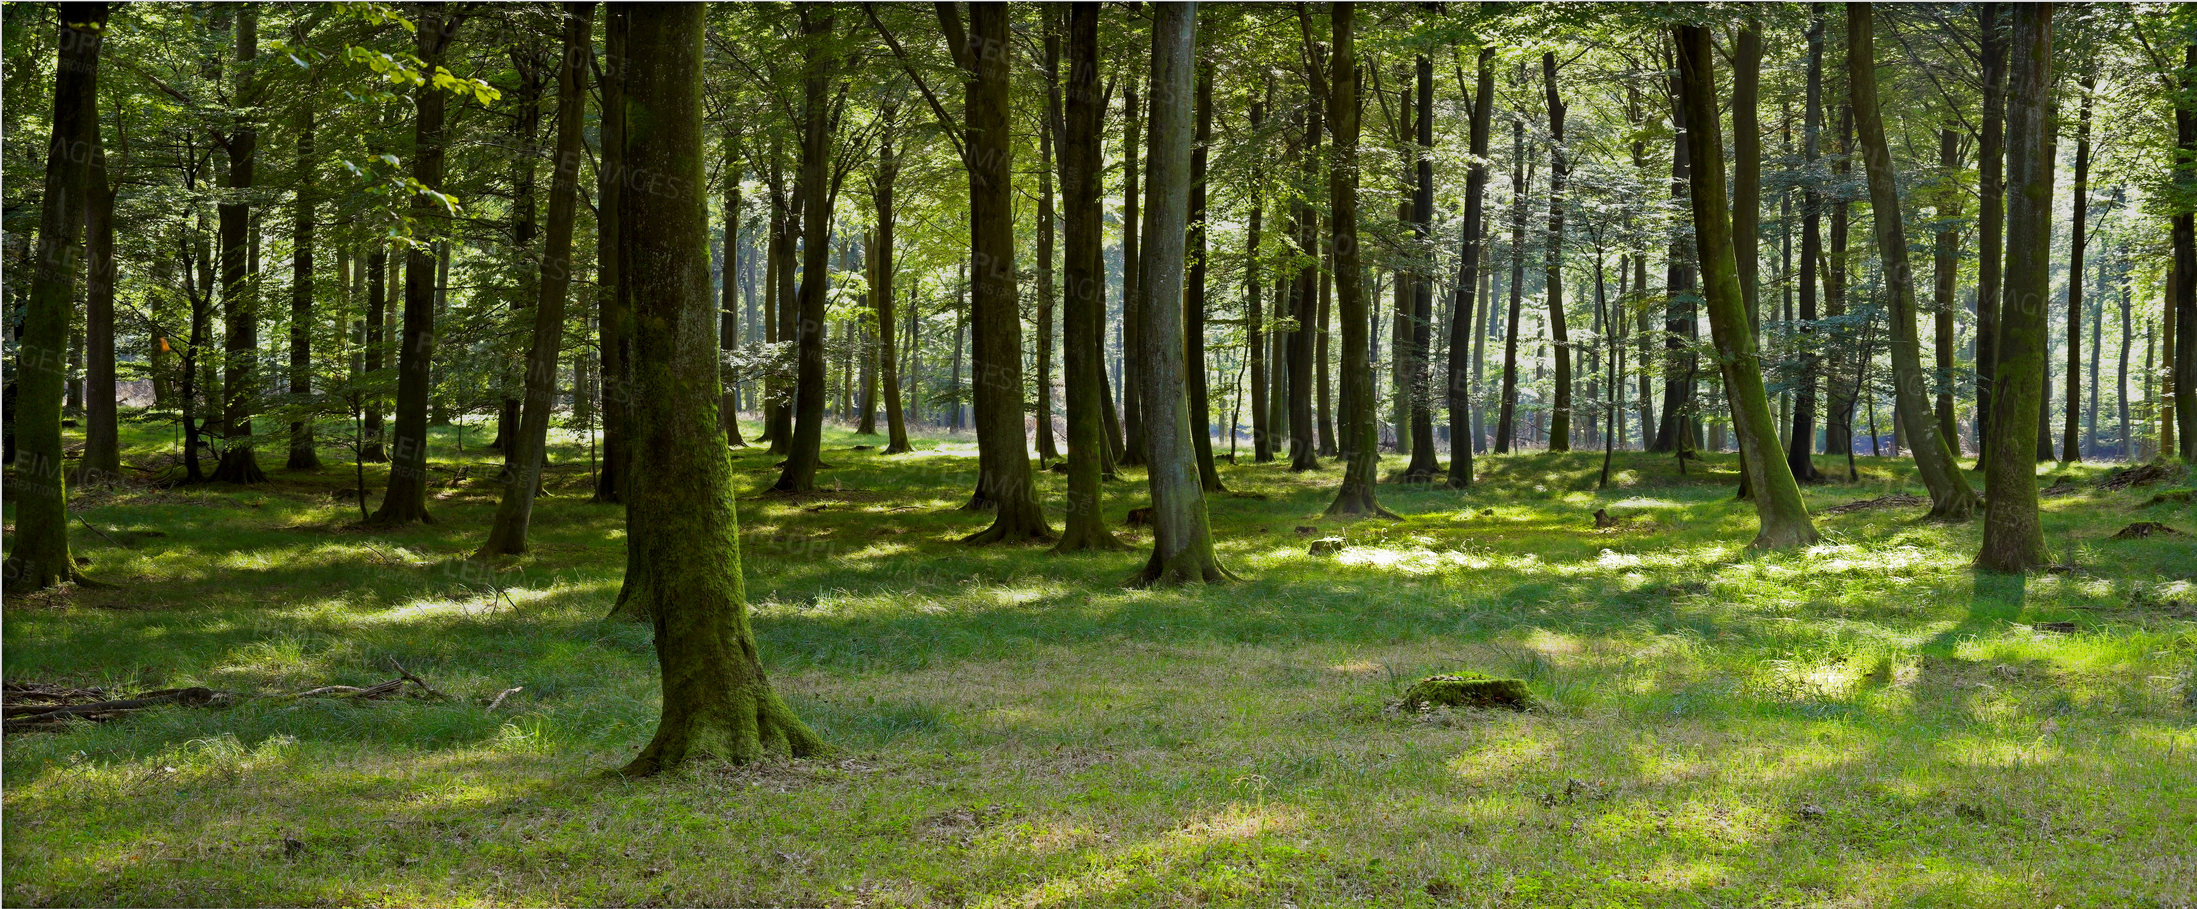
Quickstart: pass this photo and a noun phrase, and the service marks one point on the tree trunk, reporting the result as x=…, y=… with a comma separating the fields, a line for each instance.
x=1681, y=367
x=525, y=453
x=1991, y=217
x=102, y=459
x=1843, y=386
x=1778, y=507
x=303, y=453
x=527, y=67
x=1182, y=538
x=809, y=390
x=1800, y=439
x=1950, y=497
x=881, y=185
x=1465, y=335
x=1002, y=449
x=1303, y=447
x=612, y=320
x=2013, y=532
x=38, y=554
x=1424, y=467
x=1133, y=141
x=717, y=705
x=1946, y=274
x=728, y=328
x=1506, y=421
x=1256, y=334
x=1559, y=340
x=239, y=274
x=1083, y=317
x=406, y=500
x=1747, y=192
x=2070, y=443
x=1360, y=439
x=2185, y=260
x=1192, y=329
x=1046, y=221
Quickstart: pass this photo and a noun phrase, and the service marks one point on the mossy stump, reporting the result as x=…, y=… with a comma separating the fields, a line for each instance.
x=1469, y=689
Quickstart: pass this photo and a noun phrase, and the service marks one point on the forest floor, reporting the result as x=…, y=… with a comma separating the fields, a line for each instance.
x=1864, y=723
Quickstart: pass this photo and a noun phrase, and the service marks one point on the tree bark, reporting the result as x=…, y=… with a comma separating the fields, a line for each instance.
x=239, y=279
x=1991, y=216
x=1047, y=220
x=1424, y=467
x=102, y=459
x=38, y=554
x=2013, y=532
x=303, y=453
x=1506, y=419
x=2070, y=442
x=406, y=500
x=1559, y=339
x=1783, y=517
x=525, y=453
x=1946, y=264
x=1256, y=335
x=1303, y=445
x=1360, y=436
x=1193, y=298
x=806, y=452
x=1182, y=538
x=1465, y=335
x=717, y=705
x=888, y=358
x=1133, y=141
x=1083, y=316
x=2185, y=260
x=728, y=327
x=1950, y=497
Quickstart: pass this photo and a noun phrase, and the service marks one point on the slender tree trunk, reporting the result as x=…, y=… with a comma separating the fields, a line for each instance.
x=1303, y=446
x=1360, y=429
x=806, y=453
x=728, y=328
x=1950, y=497
x=1133, y=142
x=1046, y=218
x=717, y=705
x=1946, y=274
x=1747, y=193
x=1255, y=328
x=378, y=291
x=102, y=459
x=1783, y=517
x=2122, y=438
x=38, y=553
x=1323, y=394
x=1843, y=386
x=1424, y=466
x=2185, y=259
x=2070, y=443
x=1506, y=421
x=1559, y=340
x=406, y=500
x=1193, y=309
x=1182, y=536
x=1681, y=367
x=881, y=184
x=239, y=280
x=303, y=454
x=507, y=534
x=1991, y=217
x=2013, y=532
x=612, y=322
x=1465, y=338
x=1003, y=450
x=527, y=64
x=1083, y=319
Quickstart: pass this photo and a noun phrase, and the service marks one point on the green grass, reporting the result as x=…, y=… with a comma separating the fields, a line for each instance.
x=1865, y=723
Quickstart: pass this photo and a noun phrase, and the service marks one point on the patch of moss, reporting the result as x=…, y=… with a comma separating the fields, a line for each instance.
x=1468, y=689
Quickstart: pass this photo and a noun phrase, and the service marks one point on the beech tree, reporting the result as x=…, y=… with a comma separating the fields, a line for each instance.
x=2013, y=532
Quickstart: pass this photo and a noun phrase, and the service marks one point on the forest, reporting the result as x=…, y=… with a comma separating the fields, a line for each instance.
x=1077, y=454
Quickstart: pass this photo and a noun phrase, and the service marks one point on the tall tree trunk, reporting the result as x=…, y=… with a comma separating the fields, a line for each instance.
x=1559, y=339
x=1046, y=218
x=1950, y=497
x=1991, y=216
x=1002, y=449
x=525, y=453
x=1465, y=337
x=1843, y=386
x=882, y=179
x=375, y=356
x=2070, y=443
x=1303, y=446
x=102, y=459
x=1083, y=319
x=406, y=500
x=717, y=705
x=1192, y=328
x=806, y=453
x=239, y=279
x=1424, y=467
x=2013, y=532
x=527, y=66
x=2122, y=440
x=1783, y=517
x=1133, y=141
x=612, y=322
x=1256, y=334
x=728, y=328
x=1681, y=366
x=1506, y=421
x=38, y=554
x=1323, y=390
x=1747, y=192
x=303, y=453
x=1182, y=536
x=2185, y=259
x=1360, y=431
x=1946, y=274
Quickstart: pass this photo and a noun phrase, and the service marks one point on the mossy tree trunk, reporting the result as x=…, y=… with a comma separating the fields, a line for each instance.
x=406, y=501
x=728, y=328
x=1783, y=517
x=102, y=440
x=717, y=705
x=1192, y=329
x=1134, y=139
x=2013, y=532
x=2185, y=259
x=613, y=322
x=1083, y=315
x=1465, y=330
x=507, y=534
x=239, y=276
x=1950, y=497
x=1361, y=440
x=882, y=179
x=38, y=554
x=1047, y=223
x=1182, y=534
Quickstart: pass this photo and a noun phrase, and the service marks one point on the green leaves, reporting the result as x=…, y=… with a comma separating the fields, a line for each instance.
x=403, y=68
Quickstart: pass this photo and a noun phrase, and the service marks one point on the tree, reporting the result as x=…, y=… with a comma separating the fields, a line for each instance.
x=1464, y=329
x=1991, y=217
x=1423, y=467
x=239, y=277
x=39, y=555
x=1506, y=423
x=2070, y=444
x=1783, y=518
x=882, y=179
x=303, y=455
x=406, y=500
x=805, y=455
x=1192, y=328
x=1083, y=315
x=1950, y=497
x=2013, y=532
x=102, y=442
x=2184, y=300
x=1182, y=538
x=507, y=535
x=717, y=705
x=728, y=324
x=1361, y=440
x=1559, y=341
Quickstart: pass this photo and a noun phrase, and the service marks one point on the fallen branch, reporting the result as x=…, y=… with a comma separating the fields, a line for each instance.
x=498, y=702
